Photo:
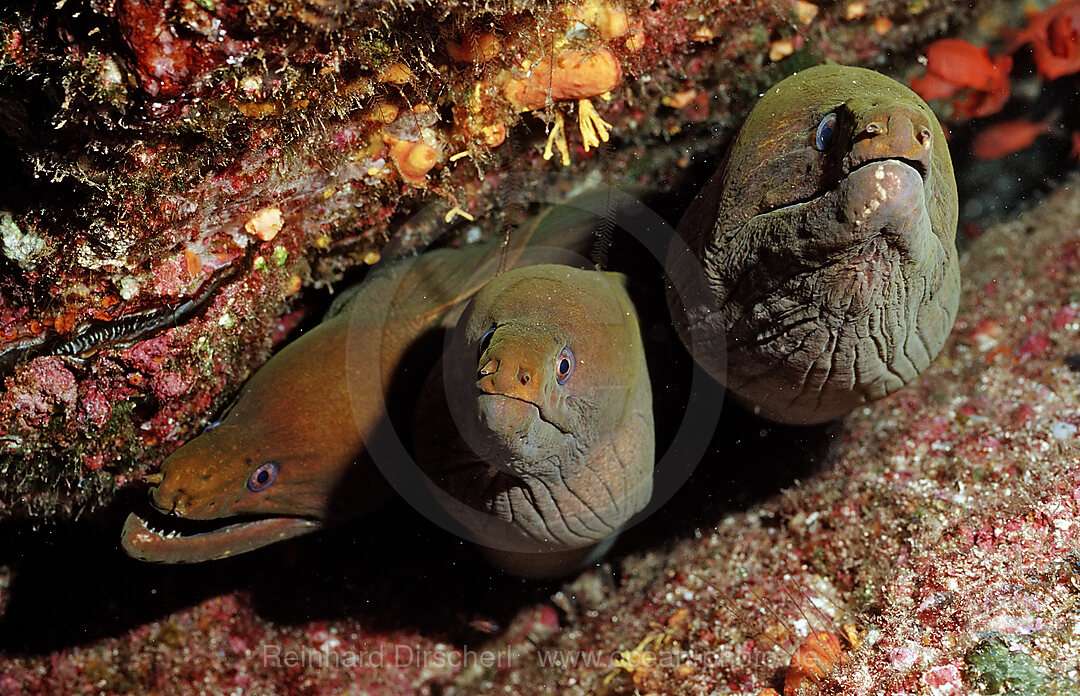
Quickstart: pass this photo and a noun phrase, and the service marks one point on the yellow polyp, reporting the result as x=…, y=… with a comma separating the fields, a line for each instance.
x=593, y=128
x=257, y=109
x=851, y=633
x=413, y=159
x=806, y=11
x=557, y=137
x=780, y=49
x=609, y=22
x=458, y=155
x=475, y=105
x=382, y=112
x=396, y=73
x=265, y=223
x=679, y=99
x=456, y=212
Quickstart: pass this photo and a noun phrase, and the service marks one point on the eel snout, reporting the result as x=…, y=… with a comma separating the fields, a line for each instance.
x=895, y=132
x=516, y=378
x=171, y=495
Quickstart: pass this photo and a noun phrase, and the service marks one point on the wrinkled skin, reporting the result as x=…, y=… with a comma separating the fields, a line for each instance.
x=556, y=468
x=830, y=275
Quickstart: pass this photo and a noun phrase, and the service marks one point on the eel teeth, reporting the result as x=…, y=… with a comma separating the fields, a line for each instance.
x=162, y=533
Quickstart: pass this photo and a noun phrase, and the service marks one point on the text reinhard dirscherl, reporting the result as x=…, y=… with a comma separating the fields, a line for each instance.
x=403, y=656
x=383, y=656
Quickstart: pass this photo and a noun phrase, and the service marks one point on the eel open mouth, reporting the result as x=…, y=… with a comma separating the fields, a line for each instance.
x=918, y=166
x=175, y=540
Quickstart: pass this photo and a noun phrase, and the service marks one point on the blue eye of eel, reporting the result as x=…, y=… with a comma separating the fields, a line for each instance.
x=564, y=366
x=485, y=341
x=263, y=476
x=825, y=132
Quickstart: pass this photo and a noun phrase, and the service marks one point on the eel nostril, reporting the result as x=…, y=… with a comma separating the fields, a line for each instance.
x=875, y=128
x=525, y=378
x=925, y=137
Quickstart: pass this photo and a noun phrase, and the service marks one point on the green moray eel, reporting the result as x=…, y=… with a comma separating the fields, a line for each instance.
x=827, y=241
x=546, y=367
x=291, y=456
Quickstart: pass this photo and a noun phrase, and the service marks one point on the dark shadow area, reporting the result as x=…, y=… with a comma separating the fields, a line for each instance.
x=747, y=459
x=992, y=191
x=392, y=570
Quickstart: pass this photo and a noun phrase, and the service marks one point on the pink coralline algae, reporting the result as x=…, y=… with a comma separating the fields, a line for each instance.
x=1035, y=345
x=945, y=681
x=168, y=58
x=51, y=386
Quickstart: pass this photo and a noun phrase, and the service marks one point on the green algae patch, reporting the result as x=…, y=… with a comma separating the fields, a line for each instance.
x=996, y=669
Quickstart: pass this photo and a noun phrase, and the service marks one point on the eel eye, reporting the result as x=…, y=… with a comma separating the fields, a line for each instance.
x=485, y=341
x=564, y=366
x=825, y=132
x=263, y=476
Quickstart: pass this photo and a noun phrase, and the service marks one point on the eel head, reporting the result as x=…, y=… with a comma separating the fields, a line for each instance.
x=546, y=376
x=219, y=496
x=826, y=247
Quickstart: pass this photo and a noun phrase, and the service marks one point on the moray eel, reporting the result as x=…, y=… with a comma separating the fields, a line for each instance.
x=546, y=371
x=290, y=456
x=827, y=241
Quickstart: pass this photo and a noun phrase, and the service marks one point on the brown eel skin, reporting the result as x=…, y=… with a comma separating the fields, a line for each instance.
x=292, y=455
x=546, y=376
x=827, y=238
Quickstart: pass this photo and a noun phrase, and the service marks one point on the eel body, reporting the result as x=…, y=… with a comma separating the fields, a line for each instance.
x=294, y=454
x=546, y=374
x=823, y=249
x=289, y=457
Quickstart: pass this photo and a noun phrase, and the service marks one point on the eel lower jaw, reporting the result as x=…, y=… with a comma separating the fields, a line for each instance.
x=499, y=408
x=889, y=200
x=174, y=544
x=503, y=435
